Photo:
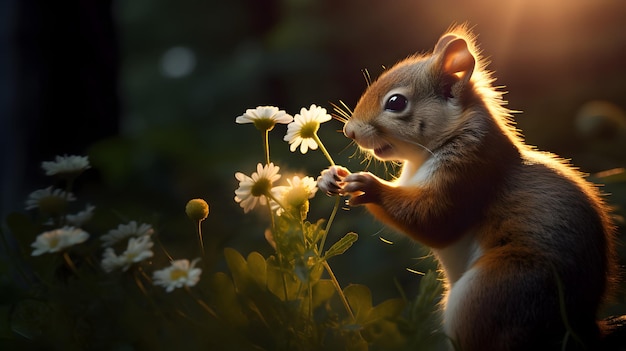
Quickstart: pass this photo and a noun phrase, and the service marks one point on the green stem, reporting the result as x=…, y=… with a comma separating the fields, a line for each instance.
x=138, y=282
x=156, y=238
x=200, y=241
x=310, y=301
x=323, y=149
x=70, y=263
x=271, y=196
x=201, y=303
x=339, y=291
x=329, y=223
x=278, y=253
x=137, y=273
x=266, y=146
x=284, y=277
x=272, y=219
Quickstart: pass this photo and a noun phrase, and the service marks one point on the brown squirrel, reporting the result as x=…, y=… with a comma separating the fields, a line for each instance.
x=525, y=243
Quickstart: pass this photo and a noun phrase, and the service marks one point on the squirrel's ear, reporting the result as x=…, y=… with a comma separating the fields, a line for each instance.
x=443, y=41
x=456, y=59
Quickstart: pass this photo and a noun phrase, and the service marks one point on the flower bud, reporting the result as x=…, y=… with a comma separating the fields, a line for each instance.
x=197, y=210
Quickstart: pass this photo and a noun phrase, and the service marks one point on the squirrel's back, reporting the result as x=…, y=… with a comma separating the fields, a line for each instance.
x=546, y=241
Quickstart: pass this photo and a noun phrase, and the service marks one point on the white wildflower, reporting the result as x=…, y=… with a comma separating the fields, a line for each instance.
x=264, y=117
x=254, y=189
x=111, y=261
x=82, y=217
x=303, y=130
x=138, y=249
x=58, y=239
x=67, y=165
x=297, y=194
x=180, y=273
x=123, y=231
x=49, y=200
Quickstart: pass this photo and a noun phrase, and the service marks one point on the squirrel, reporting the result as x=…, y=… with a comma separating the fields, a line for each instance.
x=525, y=244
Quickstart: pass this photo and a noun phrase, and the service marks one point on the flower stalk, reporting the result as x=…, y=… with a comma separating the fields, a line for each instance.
x=266, y=146
x=335, y=282
x=323, y=149
x=329, y=223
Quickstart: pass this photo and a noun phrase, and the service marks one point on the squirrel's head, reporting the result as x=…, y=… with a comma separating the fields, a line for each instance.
x=415, y=104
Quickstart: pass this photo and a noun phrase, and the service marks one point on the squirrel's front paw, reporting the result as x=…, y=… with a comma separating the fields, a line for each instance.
x=363, y=188
x=330, y=180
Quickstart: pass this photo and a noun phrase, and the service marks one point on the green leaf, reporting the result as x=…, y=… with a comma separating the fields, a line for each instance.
x=238, y=268
x=258, y=269
x=226, y=303
x=386, y=310
x=428, y=295
x=308, y=268
x=385, y=335
x=422, y=326
x=279, y=281
x=301, y=270
x=314, y=232
x=341, y=246
x=322, y=292
x=360, y=299
x=381, y=329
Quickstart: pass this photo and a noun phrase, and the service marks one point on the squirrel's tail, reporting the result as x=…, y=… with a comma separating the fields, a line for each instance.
x=613, y=333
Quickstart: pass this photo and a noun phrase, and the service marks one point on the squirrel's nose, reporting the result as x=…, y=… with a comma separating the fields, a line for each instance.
x=348, y=131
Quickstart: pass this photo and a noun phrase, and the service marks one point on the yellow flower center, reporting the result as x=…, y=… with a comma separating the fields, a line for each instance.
x=309, y=129
x=261, y=187
x=264, y=124
x=296, y=197
x=130, y=256
x=176, y=274
x=54, y=242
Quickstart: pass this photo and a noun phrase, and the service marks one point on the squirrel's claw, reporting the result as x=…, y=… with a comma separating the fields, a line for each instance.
x=330, y=180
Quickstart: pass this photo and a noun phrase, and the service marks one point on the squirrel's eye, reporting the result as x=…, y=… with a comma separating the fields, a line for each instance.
x=396, y=103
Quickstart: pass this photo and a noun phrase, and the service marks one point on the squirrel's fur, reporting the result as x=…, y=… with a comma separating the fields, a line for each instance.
x=525, y=243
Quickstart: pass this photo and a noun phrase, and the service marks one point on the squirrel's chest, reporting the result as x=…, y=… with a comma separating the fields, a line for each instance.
x=457, y=258
x=416, y=175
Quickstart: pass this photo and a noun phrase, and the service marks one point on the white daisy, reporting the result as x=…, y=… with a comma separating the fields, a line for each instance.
x=57, y=240
x=138, y=249
x=82, y=217
x=49, y=200
x=68, y=165
x=111, y=261
x=124, y=231
x=303, y=130
x=299, y=191
x=180, y=273
x=264, y=117
x=253, y=189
